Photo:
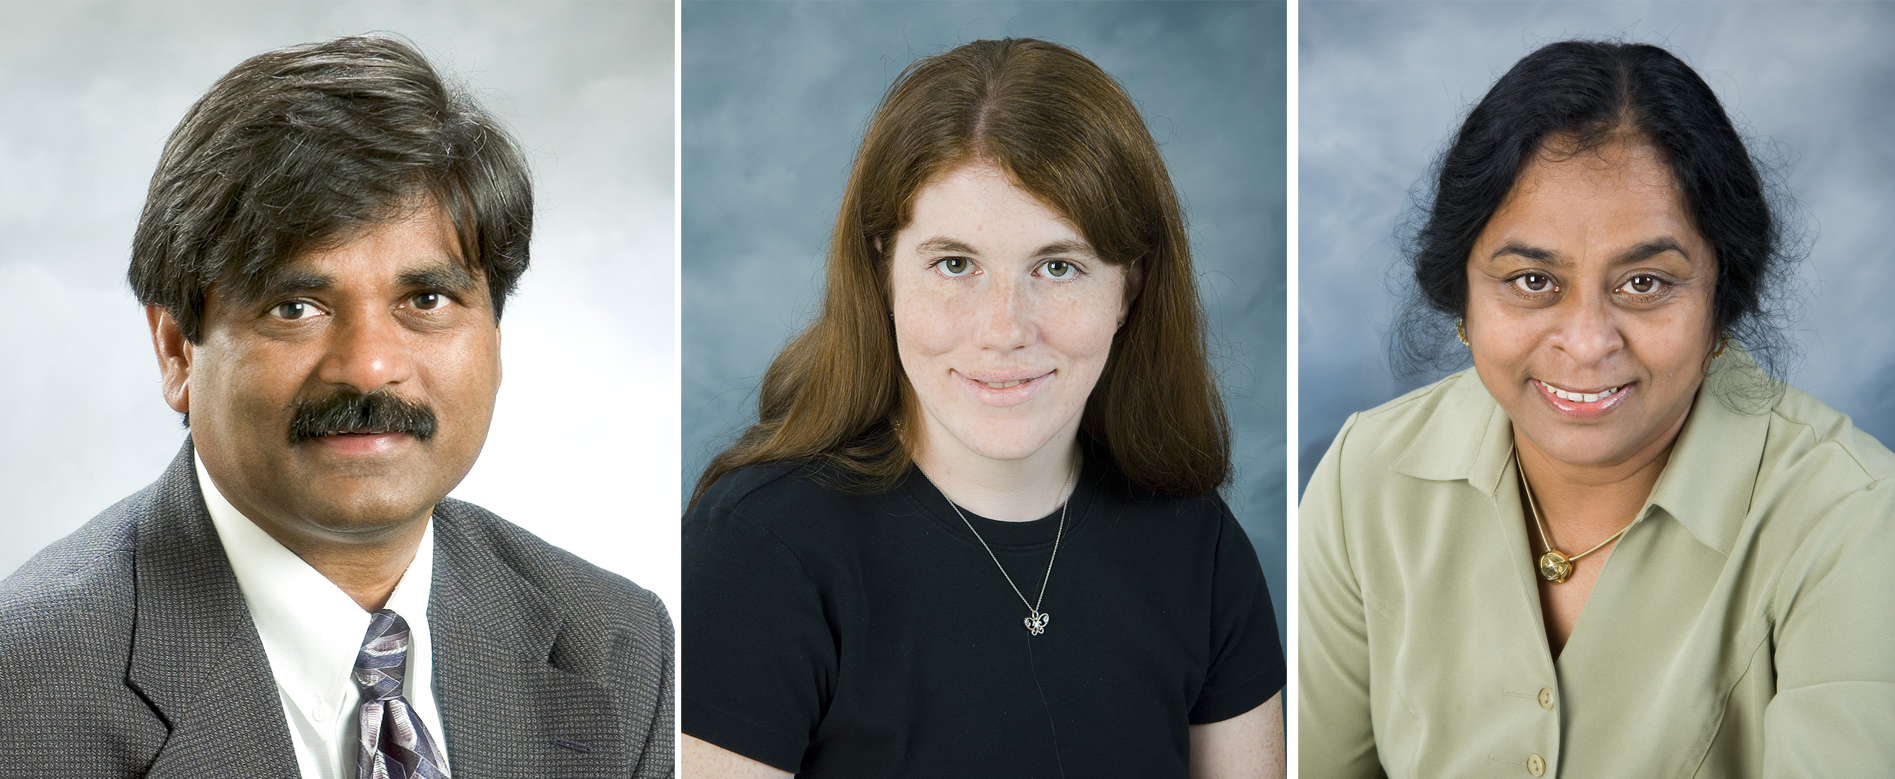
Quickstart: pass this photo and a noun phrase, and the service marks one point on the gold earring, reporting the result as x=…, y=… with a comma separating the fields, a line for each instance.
x=1460, y=329
x=1723, y=340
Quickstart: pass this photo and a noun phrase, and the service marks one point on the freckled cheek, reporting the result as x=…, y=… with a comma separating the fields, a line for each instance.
x=928, y=323
x=1079, y=332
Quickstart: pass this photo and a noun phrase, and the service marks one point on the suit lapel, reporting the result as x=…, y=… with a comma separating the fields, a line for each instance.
x=195, y=653
x=508, y=709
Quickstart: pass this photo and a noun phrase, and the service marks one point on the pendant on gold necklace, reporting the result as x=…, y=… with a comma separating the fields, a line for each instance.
x=1555, y=567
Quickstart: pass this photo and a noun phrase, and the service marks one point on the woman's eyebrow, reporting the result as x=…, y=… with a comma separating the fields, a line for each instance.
x=1649, y=249
x=944, y=245
x=1064, y=247
x=1533, y=253
x=1639, y=253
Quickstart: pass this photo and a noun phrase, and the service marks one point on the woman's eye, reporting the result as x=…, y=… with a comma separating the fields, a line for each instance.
x=955, y=266
x=428, y=301
x=1643, y=285
x=294, y=309
x=1534, y=283
x=1058, y=269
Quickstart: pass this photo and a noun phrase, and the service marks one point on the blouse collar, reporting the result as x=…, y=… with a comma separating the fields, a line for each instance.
x=1706, y=485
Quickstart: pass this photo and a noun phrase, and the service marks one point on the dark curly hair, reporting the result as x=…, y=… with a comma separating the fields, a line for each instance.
x=1587, y=94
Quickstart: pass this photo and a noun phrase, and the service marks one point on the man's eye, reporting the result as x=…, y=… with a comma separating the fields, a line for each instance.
x=1534, y=283
x=294, y=309
x=428, y=301
x=1058, y=269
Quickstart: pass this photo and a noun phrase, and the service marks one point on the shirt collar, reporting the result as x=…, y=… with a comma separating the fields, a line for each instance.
x=311, y=630
x=1706, y=485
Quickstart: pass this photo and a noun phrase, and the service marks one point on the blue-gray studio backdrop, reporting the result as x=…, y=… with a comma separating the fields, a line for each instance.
x=1382, y=85
x=777, y=94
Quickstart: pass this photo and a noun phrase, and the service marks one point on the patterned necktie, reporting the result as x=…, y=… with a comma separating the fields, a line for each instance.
x=395, y=745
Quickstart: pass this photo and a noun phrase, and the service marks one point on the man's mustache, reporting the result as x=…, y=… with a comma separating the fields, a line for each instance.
x=349, y=412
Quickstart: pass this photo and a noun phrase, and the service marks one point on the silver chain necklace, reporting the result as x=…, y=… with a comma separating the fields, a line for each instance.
x=1036, y=620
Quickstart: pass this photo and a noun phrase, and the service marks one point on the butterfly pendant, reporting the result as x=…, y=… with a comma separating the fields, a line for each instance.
x=1036, y=624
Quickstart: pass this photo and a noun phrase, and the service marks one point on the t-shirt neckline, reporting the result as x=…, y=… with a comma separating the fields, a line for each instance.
x=999, y=534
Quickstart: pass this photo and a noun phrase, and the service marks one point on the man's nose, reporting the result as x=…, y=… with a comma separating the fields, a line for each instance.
x=367, y=350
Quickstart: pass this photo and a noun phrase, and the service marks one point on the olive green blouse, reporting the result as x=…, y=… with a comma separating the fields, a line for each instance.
x=1743, y=626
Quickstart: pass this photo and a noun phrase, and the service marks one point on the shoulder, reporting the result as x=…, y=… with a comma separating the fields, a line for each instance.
x=80, y=588
x=785, y=500
x=1823, y=486
x=69, y=616
x=1806, y=437
x=747, y=489
x=1207, y=512
x=1450, y=413
x=592, y=598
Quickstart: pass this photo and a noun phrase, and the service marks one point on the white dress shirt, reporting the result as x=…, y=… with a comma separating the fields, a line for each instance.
x=311, y=632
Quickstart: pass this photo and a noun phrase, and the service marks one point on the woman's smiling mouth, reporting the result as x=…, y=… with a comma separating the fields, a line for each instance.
x=1002, y=389
x=1582, y=402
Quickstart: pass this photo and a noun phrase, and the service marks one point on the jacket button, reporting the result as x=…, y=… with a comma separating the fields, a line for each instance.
x=1536, y=765
x=1546, y=698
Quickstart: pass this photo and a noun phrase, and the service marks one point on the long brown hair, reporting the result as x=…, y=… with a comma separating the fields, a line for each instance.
x=1066, y=132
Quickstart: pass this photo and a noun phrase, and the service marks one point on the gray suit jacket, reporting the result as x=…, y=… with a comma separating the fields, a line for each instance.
x=126, y=650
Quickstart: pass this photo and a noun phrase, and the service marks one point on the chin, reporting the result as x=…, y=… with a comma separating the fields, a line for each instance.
x=1587, y=449
x=370, y=509
x=1005, y=446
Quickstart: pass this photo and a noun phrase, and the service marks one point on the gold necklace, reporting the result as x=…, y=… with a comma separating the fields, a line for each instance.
x=1555, y=566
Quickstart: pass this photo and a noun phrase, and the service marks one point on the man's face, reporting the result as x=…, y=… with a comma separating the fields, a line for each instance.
x=350, y=398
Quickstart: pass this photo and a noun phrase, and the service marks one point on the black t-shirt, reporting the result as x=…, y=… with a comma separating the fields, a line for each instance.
x=831, y=634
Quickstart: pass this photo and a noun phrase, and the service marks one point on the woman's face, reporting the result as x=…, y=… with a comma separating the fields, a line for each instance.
x=1004, y=316
x=1589, y=306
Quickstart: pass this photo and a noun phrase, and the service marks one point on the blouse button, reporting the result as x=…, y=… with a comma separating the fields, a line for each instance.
x=1546, y=698
x=1536, y=765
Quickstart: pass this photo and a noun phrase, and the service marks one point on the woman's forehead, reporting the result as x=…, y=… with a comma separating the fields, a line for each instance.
x=1608, y=199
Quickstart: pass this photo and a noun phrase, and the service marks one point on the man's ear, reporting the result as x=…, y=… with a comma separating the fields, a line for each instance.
x=174, y=357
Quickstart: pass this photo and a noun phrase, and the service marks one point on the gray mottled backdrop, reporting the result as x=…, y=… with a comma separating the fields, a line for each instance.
x=1383, y=85
x=776, y=96
x=581, y=448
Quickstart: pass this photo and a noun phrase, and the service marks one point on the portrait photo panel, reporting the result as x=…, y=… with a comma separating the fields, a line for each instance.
x=1383, y=86
x=776, y=96
x=578, y=450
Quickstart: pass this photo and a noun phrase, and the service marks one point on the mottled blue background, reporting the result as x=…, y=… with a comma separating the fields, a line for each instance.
x=776, y=96
x=1383, y=85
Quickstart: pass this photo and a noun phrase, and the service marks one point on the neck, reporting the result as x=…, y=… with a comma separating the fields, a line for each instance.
x=365, y=570
x=1008, y=490
x=368, y=575
x=1580, y=502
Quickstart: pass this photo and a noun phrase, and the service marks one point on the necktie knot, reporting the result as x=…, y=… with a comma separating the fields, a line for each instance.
x=383, y=660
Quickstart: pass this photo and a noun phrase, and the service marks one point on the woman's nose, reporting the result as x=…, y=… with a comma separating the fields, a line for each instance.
x=1005, y=315
x=1589, y=332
